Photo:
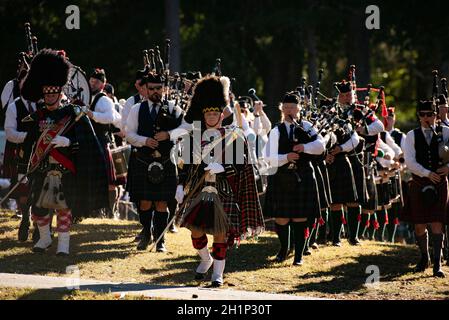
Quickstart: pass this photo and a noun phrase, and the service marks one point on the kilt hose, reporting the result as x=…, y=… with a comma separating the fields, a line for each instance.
x=287, y=197
x=419, y=211
x=139, y=185
x=341, y=179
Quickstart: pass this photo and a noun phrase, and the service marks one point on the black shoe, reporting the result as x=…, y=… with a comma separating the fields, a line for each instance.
x=314, y=246
x=336, y=244
x=139, y=236
x=216, y=284
x=355, y=242
x=173, y=228
x=298, y=262
x=307, y=252
x=282, y=255
x=24, y=229
x=160, y=247
x=144, y=241
x=200, y=276
x=423, y=264
x=439, y=274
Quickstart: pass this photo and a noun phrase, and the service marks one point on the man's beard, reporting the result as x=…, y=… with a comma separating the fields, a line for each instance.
x=155, y=98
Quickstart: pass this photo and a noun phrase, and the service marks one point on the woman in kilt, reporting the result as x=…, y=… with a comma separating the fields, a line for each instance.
x=427, y=200
x=222, y=197
x=292, y=194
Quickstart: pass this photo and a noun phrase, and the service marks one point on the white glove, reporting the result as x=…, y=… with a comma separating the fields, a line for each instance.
x=60, y=141
x=20, y=176
x=5, y=183
x=179, y=196
x=215, y=168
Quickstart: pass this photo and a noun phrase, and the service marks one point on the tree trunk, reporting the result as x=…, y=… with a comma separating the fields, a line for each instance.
x=172, y=25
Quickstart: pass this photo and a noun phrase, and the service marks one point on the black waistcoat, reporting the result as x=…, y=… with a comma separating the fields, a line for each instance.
x=147, y=128
x=426, y=155
x=286, y=145
x=101, y=130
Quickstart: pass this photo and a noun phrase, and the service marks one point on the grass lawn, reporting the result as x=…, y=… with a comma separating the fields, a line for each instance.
x=103, y=249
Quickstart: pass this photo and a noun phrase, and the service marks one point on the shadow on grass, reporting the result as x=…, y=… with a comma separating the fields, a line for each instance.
x=87, y=245
x=351, y=277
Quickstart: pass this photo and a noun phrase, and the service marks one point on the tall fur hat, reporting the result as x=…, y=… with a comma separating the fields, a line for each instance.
x=49, y=68
x=210, y=93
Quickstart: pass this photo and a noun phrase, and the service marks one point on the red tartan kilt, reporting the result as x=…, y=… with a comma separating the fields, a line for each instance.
x=10, y=161
x=416, y=211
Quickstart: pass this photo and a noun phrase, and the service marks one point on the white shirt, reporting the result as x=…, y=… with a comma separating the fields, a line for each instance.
x=390, y=142
x=127, y=108
x=132, y=123
x=105, y=112
x=352, y=143
x=275, y=159
x=12, y=135
x=7, y=94
x=410, y=152
x=387, y=151
x=376, y=127
x=402, y=140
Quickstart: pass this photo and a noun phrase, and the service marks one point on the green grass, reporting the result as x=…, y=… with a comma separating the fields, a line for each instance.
x=104, y=250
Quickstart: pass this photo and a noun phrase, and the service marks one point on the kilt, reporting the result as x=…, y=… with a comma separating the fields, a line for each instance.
x=341, y=180
x=417, y=211
x=323, y=168
x=324, y=202
x=11, y=170
x=372, y=200
x=140, y=187
x=288, y=198
x=359, y=177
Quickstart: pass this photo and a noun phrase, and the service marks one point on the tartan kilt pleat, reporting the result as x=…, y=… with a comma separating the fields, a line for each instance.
x=140, y=187
x=288, y=198
x=323, y=168
x=383, y=194
x=341, y=180
x=416, y=211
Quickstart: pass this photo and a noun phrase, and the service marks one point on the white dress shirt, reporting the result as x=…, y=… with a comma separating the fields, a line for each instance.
x=376, y=127
x=132, y=123
x=352, y=143
x=410, y=152
x=390, y=142
x=7, y=93
x=12, y=135
x=402, y=140
x=127, y=108
x=387, y=151
x=275, y=159
x=105, y=112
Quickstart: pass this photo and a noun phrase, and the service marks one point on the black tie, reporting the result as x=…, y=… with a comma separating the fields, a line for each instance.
x=153, y=112
x=290, y=135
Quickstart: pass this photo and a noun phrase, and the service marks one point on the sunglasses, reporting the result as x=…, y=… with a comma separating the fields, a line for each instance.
x=154, y=88
x=426, y=114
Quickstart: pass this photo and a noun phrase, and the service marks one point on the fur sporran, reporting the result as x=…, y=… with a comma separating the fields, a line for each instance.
x=52, y=195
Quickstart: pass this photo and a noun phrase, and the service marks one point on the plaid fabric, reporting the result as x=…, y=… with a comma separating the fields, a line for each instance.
x=341, y=180
x=416, y=211
x=288, y=198
x=140, y=187
x=359, y=177
x=238, y=193
x=87, y=190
